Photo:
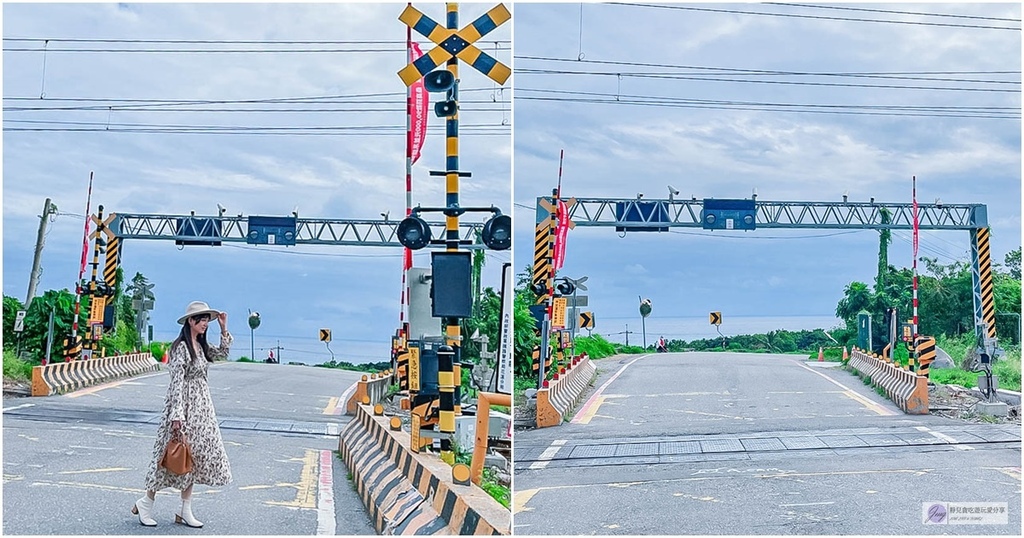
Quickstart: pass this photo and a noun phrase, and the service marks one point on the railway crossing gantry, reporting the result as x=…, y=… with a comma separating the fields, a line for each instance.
x=637, y=214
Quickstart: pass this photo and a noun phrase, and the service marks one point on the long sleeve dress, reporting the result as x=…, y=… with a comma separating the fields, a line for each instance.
x=188, y=400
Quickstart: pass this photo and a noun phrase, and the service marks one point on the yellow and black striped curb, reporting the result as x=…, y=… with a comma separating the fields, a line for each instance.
x=906, y=389
x=372, y=387
x=988, y=302
x=555, y=401
x=407, y=493
x=63, y=377
x=925, y=354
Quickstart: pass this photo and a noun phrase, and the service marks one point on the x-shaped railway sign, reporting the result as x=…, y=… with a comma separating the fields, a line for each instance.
x=451, y=43
x=103, y=226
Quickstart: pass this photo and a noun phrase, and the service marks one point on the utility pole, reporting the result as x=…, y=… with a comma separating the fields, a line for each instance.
x=33, y=279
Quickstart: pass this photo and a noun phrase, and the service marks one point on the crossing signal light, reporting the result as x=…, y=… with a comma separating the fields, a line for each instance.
x=439, y=81
x=565, y=288
x=444, y=109
x=413, y=233
x=497, y=232
x=540, y=289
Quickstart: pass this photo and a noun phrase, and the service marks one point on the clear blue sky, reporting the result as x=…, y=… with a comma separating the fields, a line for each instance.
x=355, y=171
x=722, y=126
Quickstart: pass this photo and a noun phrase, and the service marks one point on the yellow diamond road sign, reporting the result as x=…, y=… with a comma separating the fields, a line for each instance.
x=586, y=320
x=325, y=335
x=455, y=43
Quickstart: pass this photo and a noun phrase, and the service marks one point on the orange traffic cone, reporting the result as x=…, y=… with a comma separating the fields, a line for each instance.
x=164, y=360
x=846, y=356
x=821, y=354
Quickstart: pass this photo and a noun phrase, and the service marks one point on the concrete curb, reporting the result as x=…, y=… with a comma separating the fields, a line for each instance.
x=407, y=493
x=63, y=377
x=905, y=388
x=555, y=401
x=372, y=388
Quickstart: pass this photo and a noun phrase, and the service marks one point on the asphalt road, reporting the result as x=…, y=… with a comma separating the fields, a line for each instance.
x=713, y=443
x=74, y=464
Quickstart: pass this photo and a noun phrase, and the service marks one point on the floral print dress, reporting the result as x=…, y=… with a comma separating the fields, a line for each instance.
x=188, y=400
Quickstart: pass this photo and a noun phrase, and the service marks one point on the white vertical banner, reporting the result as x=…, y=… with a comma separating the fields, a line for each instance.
x=505, y=342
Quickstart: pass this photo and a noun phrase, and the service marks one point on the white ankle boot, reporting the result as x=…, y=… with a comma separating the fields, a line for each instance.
x=185, y=516
x=143, y=508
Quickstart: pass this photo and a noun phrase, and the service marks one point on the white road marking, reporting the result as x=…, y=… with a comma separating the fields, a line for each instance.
x=22, y=406
x=548, y=454
x=325, y=519
x=850, y=393
x=807, y=504
x=956, y=444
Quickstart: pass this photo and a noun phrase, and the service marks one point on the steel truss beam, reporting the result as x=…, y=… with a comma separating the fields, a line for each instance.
x=348, y=232
x=805, y=215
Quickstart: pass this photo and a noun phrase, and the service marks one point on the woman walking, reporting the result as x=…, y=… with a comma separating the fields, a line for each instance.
x=188, y=409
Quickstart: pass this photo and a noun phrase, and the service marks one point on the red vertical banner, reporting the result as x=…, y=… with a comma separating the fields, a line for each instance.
x=419, y=104
x=561, y=233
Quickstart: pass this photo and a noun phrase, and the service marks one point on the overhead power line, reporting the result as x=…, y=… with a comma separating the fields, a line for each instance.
x=678, y=102
x=817, y=17
x=731, y=71
x=869, y=10
x=227, y=41
x=708, y=78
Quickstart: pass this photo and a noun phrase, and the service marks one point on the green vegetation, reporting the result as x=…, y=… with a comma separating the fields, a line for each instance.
x=946, y=312
x=369, y=367
x=32, y=341
x=243, y=358
x=595, y=346
x=15, y=368
x=488, y=480
x=500, y=493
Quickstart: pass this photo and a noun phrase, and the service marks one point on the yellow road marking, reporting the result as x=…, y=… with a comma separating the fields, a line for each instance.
x=305, y=495
x=331, y=406
x=589, y=413
x=520, y=498
x=107, y=470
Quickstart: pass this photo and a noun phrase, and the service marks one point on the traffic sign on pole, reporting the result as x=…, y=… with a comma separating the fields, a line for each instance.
x=325, y=335
x=716, y=318
x=586, y=320
x=558, y=313
x=19, y=321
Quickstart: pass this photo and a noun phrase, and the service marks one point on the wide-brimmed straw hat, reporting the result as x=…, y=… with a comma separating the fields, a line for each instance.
x=196, y=308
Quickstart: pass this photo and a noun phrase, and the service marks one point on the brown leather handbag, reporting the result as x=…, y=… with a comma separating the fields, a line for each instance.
x=177, y=455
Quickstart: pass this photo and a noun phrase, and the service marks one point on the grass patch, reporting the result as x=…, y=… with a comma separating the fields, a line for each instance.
x=15, y=368
x=488, y=480
x=500, y=493
x=245, y=359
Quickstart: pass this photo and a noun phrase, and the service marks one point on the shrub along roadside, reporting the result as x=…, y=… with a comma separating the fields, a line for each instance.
x=15, y=368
